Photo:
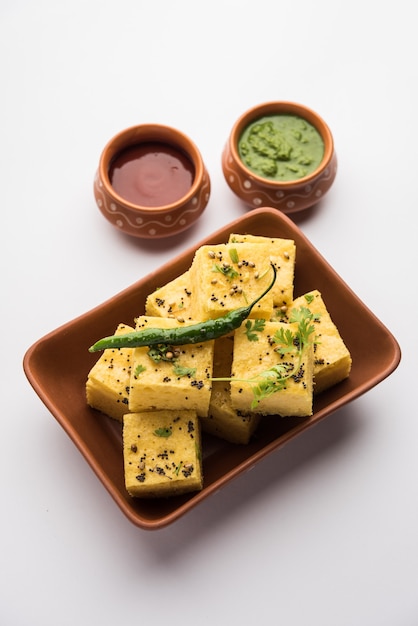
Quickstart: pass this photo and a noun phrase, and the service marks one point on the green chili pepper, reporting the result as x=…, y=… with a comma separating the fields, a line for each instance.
x=195, y=333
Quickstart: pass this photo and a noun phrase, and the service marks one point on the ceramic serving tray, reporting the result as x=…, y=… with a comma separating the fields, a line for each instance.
x=57, y=366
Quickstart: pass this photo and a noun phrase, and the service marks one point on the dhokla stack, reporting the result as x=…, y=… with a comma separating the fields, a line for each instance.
x=287, y=351
x=253, y=359
x=225, y=277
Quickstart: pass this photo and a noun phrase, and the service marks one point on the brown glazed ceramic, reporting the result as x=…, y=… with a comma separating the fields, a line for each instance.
x=144, y=221
x=58, y=364
x=287, y=196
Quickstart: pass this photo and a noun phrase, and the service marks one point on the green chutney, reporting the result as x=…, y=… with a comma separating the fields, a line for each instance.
x=281, y=147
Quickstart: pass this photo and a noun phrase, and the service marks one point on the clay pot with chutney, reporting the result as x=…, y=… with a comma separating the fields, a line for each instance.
x=280, y=154
x=151, y=182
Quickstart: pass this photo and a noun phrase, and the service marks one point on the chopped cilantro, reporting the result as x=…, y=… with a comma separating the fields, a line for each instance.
x=180, y=371
x=139, y=369
x=226, y=270
x=233, y=253
x=163, y=432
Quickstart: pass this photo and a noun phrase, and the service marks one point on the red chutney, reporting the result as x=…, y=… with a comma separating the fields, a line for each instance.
x=151, y=174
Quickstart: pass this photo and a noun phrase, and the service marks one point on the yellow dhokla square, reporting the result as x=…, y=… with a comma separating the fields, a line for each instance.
x=332, y=359
x=282, y=252
x=162, y=453
x=251, y=361
x=172, y=299
x=225, y=277
x=108, y=382
x=223, y=420
x=182, y=382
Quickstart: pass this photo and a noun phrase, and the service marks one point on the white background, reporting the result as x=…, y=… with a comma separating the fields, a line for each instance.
x=324, y=532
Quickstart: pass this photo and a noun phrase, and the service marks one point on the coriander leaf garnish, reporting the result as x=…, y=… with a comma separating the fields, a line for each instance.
x=286, y=338
x=163, y=432
x=139, y=369
x=296, y=341
x=309, y=298
x=233, y=253
x=225, y=269
x=304, y=318
x=273, y=380
x=180, y=371
x=254, y=327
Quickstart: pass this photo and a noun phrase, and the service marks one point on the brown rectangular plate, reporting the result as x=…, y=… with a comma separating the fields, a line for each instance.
x=57, y=366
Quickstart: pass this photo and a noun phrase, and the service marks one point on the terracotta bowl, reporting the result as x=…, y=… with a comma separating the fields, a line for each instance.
x=141, y=218
x=287, y=196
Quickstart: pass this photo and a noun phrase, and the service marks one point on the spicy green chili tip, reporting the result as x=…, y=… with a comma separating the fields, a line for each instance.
x=195, y=333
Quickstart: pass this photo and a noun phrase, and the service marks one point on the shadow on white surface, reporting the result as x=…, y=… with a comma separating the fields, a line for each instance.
x=282, y=470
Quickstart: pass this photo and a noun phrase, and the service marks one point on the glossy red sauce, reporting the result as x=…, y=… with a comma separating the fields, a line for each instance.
x=151, y=175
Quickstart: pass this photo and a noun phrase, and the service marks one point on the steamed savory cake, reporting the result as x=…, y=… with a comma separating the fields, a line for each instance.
x=174, y=299
x=183, y=382
x=281, y=252
x=162, y=453
x=108, y=382
x=332, y=360
x=225, y=277
x=253, y=358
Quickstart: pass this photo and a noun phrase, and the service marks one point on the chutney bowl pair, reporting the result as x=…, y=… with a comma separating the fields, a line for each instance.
x=168, y=219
